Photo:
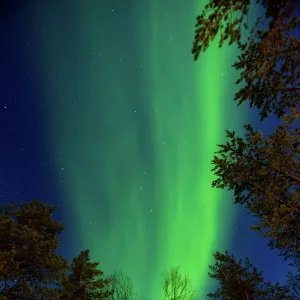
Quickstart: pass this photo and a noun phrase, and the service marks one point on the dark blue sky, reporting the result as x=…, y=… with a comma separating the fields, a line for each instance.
x=26, y=171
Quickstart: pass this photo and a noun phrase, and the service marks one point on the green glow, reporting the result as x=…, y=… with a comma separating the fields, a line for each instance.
x=188, y=124
x=137, y=146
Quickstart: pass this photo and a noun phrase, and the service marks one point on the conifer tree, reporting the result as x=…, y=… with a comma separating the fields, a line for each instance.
x=269, y=59
x=240, y=280
x=264, y=174
x=29, y=263
x=85, y=281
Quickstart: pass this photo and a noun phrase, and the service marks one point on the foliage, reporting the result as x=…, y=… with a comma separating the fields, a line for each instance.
x=264, y=175
x=177, y=286
x=85, y=281
x=28, y=258
x=30, y=267
x=269, y=61
x=241, y=280
x=236, y=281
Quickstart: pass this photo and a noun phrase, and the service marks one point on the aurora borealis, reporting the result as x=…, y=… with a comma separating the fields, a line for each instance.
x=131, y=123
x=137, y=125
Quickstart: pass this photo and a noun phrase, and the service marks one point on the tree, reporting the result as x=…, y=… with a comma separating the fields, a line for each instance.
x=269, y=60
x=122, y=286
x=85, y=281
x=240, y=280
x=265, y=176
x=28, y=259
x=177, y=287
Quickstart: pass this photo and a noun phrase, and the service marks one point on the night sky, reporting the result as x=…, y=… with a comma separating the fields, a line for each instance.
x=104, y=113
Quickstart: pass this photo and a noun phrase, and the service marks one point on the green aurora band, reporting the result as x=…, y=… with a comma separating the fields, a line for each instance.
x=134, y=129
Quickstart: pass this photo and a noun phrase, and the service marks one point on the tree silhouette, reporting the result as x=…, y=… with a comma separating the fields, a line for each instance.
x=269, y=60
x=28, y=259
x=122, y=286
x=177, y=287
x=240, y=280
x=264, y=174
x=85, y=280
